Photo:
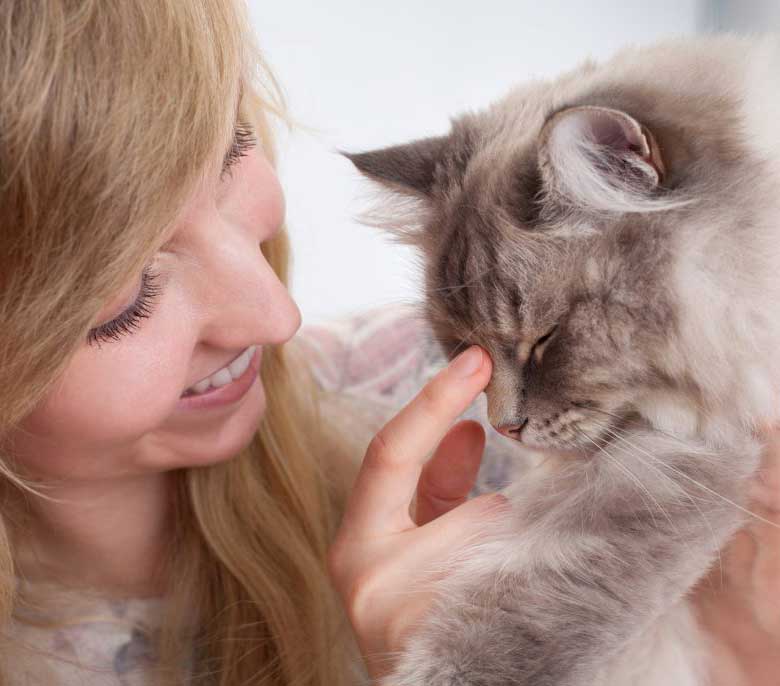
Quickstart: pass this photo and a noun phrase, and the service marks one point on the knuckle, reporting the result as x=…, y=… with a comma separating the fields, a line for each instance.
x=381, y=453
x=377, y=446
x=359, y=592
x=335, y=561
x=397, y=631
x=430, y=399
x=431, y=404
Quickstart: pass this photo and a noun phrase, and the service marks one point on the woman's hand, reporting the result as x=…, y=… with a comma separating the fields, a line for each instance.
x=739, y=602
x=406, y=516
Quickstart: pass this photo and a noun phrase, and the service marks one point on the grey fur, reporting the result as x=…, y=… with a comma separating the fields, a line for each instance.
x=630, y=317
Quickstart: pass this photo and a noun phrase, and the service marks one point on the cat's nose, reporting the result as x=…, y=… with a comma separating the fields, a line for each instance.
x=513, y=430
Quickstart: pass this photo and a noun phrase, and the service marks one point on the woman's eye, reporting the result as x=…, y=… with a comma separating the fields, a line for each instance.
x=130, y=319
x=244, y=140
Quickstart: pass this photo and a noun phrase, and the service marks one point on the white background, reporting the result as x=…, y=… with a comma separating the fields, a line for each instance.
x=359, y=75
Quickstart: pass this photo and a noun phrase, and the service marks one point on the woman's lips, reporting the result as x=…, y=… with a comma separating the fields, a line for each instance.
x=227, y=394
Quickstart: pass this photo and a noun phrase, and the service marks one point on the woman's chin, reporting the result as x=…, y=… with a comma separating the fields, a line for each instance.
x=214, y=437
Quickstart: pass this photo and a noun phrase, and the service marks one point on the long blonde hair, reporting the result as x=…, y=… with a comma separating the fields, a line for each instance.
x=109, y=113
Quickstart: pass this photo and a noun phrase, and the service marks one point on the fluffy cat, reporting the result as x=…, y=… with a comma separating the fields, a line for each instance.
x=612, y=239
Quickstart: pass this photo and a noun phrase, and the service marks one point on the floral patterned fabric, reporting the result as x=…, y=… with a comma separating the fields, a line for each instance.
x=380, y=358
x=107, y=643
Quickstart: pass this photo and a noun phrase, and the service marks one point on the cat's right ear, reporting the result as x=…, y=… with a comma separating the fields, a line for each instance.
x=409, y=169
x=603, y=159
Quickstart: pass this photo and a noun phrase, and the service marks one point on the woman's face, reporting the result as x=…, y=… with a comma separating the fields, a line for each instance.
x=118, y=410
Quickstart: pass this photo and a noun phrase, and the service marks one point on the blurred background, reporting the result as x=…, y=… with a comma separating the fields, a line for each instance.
x=359, y=75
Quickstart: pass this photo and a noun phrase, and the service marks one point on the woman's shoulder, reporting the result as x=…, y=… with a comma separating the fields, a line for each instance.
x=378, y=360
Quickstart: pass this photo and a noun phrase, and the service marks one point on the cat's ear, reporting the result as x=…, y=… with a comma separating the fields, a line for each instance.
x=601, y=158
x=408, y=169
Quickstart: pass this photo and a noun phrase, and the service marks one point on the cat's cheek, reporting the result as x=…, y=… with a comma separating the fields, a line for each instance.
x=670, y=414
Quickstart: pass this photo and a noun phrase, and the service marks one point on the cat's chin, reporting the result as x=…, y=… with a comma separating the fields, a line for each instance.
x=547, y=453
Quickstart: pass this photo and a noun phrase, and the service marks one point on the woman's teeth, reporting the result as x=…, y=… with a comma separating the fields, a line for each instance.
x=225, y=375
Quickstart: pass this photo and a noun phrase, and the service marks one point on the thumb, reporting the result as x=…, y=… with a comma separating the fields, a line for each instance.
x=448, y=477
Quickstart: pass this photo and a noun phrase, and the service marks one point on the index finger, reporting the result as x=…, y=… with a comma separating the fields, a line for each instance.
x=386, y=482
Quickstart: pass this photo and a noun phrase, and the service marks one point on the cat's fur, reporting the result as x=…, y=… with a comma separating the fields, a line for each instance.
x=612, y=238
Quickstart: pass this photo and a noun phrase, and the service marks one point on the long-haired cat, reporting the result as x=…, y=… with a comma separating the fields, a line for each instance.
x=612, y=239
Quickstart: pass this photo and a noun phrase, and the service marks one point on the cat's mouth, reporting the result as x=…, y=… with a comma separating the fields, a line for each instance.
x=580, y=432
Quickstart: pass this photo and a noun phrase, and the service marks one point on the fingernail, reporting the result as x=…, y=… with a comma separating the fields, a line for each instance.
x=468, y=362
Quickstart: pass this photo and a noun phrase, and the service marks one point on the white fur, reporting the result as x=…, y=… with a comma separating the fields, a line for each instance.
x=669, y=413
x=762, y=104
x=670, y=653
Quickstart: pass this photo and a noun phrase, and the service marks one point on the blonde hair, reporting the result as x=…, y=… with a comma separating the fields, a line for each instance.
x=109, y=114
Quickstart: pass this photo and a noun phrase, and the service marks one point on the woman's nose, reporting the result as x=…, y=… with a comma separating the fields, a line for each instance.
x=244, y=301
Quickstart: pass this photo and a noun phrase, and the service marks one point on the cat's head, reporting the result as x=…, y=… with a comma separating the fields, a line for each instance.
x=550, y=237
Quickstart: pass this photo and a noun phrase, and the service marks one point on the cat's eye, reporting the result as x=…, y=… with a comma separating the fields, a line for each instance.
x=547, y=336
x=537, y=350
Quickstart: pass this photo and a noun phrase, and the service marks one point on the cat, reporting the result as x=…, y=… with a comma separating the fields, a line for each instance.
x=612, y=239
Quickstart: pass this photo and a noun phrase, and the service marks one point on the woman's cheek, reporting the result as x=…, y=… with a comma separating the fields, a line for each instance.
x=114, y=395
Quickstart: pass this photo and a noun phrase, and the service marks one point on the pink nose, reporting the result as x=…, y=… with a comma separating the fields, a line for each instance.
x=514, y=431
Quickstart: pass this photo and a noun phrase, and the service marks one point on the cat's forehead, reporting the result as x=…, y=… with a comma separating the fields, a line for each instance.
x=485, y=286
x=498, y=287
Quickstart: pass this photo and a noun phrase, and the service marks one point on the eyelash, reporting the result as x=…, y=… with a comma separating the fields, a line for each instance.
x=243, y=141
x=129, y=319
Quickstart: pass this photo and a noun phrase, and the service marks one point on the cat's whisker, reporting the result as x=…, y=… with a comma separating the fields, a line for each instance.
x=619, y=435
x=658, y=470
x=633, y=477
x=618, y=418
x=615, y=433
x=708, y=489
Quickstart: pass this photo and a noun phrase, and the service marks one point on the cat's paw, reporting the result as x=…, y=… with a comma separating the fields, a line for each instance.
x=421, y=669
x=479, y=646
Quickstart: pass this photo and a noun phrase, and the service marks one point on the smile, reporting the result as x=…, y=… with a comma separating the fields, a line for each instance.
x=223, y=376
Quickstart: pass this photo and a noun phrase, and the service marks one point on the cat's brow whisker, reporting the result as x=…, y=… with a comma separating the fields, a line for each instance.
x=466, y=284
x=466, y=338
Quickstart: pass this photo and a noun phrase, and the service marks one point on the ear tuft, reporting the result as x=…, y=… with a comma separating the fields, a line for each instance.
x=407, y=169
x=603, y=159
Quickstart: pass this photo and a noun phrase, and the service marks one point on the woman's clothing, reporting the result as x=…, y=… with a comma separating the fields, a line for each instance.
x=107, y=643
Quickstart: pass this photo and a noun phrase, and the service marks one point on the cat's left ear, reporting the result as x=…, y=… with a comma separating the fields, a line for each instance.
x=601, y=158
x=408, y=169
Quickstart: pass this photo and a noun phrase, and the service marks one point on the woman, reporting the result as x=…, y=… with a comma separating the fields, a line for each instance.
x=137, y=187
x=137, y=190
